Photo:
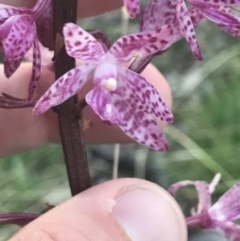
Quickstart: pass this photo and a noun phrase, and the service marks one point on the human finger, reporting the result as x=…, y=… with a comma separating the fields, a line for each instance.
x=123, y=209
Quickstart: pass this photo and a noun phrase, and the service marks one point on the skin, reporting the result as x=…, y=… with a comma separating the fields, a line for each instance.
x=104, y=211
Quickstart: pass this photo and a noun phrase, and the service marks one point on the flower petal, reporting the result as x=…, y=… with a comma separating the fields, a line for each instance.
x=11, y=66
x=221, y=15
x=46, y=57
x=39, y=8
x=18, y=34
x=203, y=193
x=187, y=28
x=7, y=11
x=81, y=44
x=65, y=87
x=148, y=97
x=204, y=3
x=141, y=44
x=228, y=206
x=158, y=13
x=101, y=102
x=133, y=7
x=196, y=15
x=143, y=129
x=36, y=69
x=45, y=28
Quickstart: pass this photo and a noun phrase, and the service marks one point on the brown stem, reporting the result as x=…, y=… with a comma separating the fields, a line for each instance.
x=14, y=104
x=20, y=219
x=68, y=116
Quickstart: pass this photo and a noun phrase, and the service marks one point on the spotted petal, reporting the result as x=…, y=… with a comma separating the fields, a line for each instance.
x=11, y=66
x=141, y=44
x=203, y=193
x=7, y=11
x=147, y=95
x=18, y=34
x=220, y=15
x=158, y=13
x=81, y=44
x=36, y=69
x=46, y=57
x=133, y=7
x=228, y=206
x=65, y=87
x=196, y=15
x=202, y=3
x=187, y=28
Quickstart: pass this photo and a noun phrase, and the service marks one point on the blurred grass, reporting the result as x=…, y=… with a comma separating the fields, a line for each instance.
x=204, y=139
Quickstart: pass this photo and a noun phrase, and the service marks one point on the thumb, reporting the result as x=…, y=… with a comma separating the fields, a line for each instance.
x=123, y=209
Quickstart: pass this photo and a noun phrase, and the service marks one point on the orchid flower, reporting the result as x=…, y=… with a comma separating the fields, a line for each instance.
x=221, y=214
x=175, y=15
x=18, y=34
x=220, y=13
x=133, y=7
x=120, y=96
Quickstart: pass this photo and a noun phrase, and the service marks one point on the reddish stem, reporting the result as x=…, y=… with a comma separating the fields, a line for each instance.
x=68, y=113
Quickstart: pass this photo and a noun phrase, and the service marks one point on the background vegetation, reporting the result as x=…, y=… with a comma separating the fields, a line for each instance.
x=204, y=139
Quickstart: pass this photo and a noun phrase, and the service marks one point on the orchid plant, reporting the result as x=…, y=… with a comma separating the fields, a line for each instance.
x=18, y=33
x=221, y=214
x=120, y=95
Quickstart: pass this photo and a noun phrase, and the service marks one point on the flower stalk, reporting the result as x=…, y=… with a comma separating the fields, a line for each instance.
x=20, y=219
x=68, y=113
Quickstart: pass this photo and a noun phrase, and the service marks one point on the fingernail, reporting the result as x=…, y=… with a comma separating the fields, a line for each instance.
x=148, y=216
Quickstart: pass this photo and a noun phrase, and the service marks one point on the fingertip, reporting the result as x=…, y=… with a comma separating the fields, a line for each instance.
x=126, y=209
x=148, y=212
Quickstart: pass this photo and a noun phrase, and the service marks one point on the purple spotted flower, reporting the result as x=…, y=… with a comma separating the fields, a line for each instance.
x=176, y=16
x=220, y=12
x=120, y=96
x=218, y=216
x=18, y=33
x=133, y=7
